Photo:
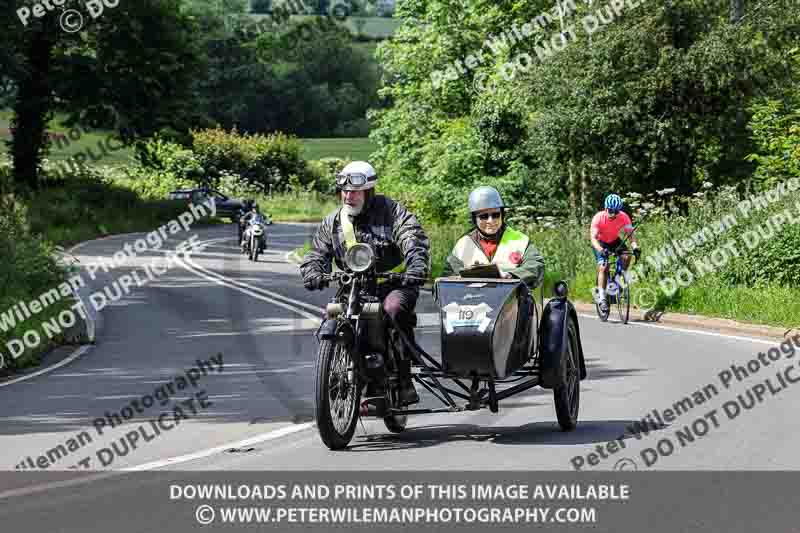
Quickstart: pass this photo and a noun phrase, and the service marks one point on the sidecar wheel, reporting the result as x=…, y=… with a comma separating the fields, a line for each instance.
x=567, y=398
x=337, y=395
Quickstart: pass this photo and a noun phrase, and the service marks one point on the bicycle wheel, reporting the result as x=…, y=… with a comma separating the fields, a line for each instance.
x=624, y=303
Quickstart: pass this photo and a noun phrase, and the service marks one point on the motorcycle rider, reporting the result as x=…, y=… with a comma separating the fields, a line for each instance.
x=395, y=235
x=604, y=234
x=254, y=215
x=492, y=241
x=247, y=206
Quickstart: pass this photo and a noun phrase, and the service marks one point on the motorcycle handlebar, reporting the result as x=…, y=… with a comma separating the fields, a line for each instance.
x=389, y=276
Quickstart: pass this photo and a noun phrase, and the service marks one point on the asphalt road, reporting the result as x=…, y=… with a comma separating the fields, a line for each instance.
x=259, y=317
x=250, y=408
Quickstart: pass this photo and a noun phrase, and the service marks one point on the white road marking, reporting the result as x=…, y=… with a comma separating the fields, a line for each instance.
x=272, y=435
x=225, y=280
x=77, y=353
x=695, y=331
x=188, y=264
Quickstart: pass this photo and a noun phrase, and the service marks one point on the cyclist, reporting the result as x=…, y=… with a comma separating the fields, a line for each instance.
x=604, y=234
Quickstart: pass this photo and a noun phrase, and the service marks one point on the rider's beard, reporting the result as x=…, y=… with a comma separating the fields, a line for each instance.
x=352, y=210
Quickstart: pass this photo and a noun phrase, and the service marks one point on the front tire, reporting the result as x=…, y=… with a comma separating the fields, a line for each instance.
x=337, y=395
x=253, y=249
x=567, y=397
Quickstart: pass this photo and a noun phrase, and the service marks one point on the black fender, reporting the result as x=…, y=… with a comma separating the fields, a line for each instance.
x=327, y=330
x=553, y=342
x=342, y=330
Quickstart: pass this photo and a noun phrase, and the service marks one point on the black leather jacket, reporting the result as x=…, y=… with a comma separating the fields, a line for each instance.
x=394, y=233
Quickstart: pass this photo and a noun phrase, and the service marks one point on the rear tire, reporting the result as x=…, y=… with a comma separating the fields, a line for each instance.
x=337, y=395
x=567, y=397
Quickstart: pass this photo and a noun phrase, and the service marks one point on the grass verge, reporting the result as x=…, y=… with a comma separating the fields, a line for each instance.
x=568, y=257
x=352, y=148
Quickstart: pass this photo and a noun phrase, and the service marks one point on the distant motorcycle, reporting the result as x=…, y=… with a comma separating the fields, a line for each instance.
x=255, y=238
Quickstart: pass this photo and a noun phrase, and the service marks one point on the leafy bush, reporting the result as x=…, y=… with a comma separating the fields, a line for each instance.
x=165, y=156
x=325, y=171
x=28, y=268
x=265, y=161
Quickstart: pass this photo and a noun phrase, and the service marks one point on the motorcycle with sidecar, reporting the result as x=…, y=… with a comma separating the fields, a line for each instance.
x=494, y=345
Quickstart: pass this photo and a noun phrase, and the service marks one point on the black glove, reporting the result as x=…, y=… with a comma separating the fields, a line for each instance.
x=413, y=279
x=637, y=252
x=315, y=283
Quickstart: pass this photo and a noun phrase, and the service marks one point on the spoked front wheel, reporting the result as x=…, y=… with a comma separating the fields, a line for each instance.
x=567, y=397
x=337, y=395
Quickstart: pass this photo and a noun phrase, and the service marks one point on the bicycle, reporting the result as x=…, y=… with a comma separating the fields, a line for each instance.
x=617, y=285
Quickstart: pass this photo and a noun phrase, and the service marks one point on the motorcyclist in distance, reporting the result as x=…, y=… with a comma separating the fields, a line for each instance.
x=254, y=215
x=395, y=235
x=247, y=205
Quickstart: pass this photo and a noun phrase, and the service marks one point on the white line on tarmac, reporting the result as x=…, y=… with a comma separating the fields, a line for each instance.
x=192, y=267
x=225, y=280
x=77, y=353
x=694, y=331
x=278, y=433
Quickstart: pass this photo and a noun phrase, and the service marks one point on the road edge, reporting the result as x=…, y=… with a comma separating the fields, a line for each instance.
x=699, y=322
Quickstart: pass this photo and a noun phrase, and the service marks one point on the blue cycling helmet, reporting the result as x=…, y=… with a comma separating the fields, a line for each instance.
x=613, y=202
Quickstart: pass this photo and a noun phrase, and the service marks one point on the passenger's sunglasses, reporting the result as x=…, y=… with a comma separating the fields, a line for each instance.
x=487, y=216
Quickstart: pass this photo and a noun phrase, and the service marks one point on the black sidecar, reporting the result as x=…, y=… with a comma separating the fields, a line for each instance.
x=493, y=336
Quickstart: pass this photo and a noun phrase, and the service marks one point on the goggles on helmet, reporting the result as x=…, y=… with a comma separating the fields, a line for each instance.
x=355, y=179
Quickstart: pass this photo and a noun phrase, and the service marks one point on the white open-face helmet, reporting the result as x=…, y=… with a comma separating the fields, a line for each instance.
x=356, y=176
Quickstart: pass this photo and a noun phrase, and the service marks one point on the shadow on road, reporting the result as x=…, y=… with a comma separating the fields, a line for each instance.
x=544, y=433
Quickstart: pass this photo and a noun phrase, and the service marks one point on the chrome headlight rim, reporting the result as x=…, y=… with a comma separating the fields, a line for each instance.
x=349, y=257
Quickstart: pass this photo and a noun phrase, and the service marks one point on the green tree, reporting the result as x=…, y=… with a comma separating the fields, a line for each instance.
x=656, y=98
x=130, y=68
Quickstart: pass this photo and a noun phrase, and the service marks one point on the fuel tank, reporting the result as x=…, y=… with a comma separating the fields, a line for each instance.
x=488, y=327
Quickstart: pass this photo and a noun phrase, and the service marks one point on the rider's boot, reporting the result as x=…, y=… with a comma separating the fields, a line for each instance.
x=407, y=393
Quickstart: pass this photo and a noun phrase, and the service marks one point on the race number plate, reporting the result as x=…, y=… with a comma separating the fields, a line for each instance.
x=459, y=316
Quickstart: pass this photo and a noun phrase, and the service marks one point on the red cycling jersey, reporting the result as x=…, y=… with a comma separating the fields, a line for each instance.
x=606, y=230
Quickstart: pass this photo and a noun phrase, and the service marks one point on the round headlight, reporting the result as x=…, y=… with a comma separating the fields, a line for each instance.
x=360, y=257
